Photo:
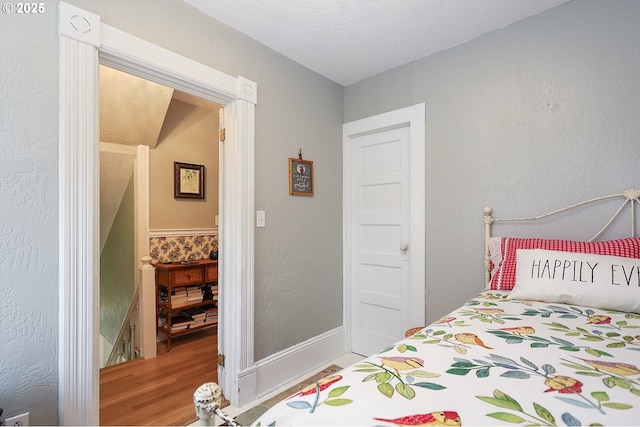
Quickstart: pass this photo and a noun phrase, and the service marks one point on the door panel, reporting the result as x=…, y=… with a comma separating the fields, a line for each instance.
x=380, y=223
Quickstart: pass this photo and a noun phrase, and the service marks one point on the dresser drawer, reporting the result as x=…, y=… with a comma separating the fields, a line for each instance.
x=211, y=273
x=188, y=276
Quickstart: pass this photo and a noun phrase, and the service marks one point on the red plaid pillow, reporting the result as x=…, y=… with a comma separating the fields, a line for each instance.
x=505, y=275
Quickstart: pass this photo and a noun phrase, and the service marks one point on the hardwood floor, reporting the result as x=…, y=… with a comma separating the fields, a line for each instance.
x=159, y=391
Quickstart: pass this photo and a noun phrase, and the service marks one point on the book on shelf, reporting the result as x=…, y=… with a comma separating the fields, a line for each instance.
x=212, y=314
x=163, y=294
x=179, y=302
x=194, y=294
x=195, y=313
x=179, y=322
x=210, y=292
x=179, y=291
x=162, y=321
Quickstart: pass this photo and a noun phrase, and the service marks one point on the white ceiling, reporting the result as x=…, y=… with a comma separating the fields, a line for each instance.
x=349, y=40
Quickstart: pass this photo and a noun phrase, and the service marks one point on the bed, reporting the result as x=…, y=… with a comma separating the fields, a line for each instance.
x=553, y=339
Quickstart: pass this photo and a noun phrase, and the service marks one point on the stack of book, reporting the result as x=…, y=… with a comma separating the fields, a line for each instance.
x=196, y=315
x=210, y=292
x=179, y=297
x=179, y=322
x=162, y=321
x=162, y=293
x=194, y=294
x=212, y=315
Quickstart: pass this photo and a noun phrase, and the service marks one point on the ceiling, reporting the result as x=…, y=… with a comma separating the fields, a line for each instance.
x=350, y=40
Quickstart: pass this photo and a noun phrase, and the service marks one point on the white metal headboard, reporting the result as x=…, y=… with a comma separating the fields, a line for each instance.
x=629, y=196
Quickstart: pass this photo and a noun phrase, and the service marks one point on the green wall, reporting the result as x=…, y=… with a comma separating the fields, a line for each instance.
x=117, y=268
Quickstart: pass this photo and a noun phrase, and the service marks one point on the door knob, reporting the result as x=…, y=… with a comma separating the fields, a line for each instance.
x=404, y=247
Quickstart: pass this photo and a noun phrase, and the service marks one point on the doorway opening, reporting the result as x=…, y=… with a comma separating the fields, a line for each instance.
x=82, y=49
x=384, y=217
x=172, y=126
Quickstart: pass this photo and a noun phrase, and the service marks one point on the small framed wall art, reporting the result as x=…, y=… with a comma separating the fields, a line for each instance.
x=188, y=181
x=300, y=177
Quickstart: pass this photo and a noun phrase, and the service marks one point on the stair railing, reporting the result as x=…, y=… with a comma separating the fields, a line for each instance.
x=137, y=335
x=125, y=347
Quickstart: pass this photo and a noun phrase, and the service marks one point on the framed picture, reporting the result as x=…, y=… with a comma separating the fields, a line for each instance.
x=188, y=181
x=300, y=177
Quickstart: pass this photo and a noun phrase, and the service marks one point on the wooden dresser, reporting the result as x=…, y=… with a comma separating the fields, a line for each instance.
x=186, y=297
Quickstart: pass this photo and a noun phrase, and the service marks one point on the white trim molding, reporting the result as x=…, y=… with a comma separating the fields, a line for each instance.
x=79, y=24
x=84, y=44
x=141, y=205
x=236, y=249
x=79, y=235
x=274, y=371
x=183, y=232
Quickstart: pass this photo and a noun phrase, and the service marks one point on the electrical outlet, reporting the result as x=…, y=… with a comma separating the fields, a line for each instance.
x=18, y=420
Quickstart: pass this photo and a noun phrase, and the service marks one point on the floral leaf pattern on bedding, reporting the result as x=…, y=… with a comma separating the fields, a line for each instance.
x=615, y=374
x=443, y=338
x=387, y=373
x=562, y=384
x=451, y=322
x=542, y=415
x=494, y=361
x=314, y=392
x=525, y=333
x=488, y=315
x=615, y=339
x=599, y=320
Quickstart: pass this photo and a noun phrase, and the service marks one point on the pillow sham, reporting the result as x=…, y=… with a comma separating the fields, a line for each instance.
x=600, y=281
x=502, y=252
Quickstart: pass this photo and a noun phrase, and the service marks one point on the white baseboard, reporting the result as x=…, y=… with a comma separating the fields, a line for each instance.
x=283, y=367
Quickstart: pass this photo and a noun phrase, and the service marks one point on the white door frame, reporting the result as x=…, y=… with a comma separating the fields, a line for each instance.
x=414, y=118
x=85, y=43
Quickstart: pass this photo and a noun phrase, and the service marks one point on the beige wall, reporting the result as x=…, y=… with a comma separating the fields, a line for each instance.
x=189, y=135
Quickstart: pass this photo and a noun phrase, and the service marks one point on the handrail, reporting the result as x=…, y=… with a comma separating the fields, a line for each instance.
x=124, y=347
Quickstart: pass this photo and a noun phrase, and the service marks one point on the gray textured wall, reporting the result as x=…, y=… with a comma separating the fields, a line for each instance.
x=298, y=271
x=298, y=255
x=544, y=110
x=526, y=119
x=29, y=215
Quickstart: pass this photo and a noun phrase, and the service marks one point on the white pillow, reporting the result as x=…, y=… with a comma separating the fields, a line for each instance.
x=600, y=281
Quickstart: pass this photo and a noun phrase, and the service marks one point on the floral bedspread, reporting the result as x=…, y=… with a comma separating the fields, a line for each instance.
x=494, y=361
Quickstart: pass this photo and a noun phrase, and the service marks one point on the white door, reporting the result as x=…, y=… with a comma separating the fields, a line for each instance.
x=385, y=231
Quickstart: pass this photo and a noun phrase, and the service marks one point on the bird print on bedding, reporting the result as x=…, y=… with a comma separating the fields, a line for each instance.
x=442, y=418
x=494, y=361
